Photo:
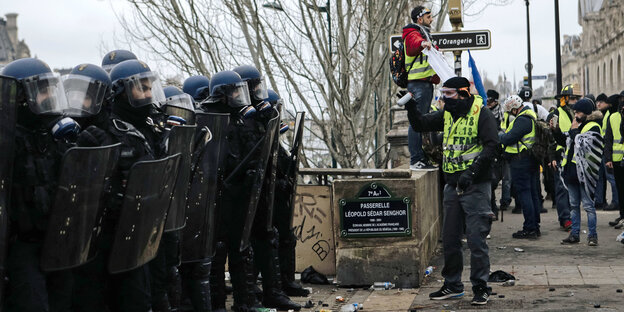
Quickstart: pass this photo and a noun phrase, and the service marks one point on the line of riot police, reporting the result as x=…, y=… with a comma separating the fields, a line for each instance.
x=120, y=194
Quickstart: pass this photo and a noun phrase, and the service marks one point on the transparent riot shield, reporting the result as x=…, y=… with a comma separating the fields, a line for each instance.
x=181, y=139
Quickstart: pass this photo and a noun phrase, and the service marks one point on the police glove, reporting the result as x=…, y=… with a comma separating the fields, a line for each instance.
x=92, y=136
x=465, y=181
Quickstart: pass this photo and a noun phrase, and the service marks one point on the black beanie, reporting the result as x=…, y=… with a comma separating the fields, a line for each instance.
x=492, y=94
x=456, y=83
x=601, y=97
x=613, y=99
x=416, y=11
x=584, y=106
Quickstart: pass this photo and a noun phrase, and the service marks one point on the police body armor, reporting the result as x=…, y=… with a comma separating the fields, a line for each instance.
x=8, y=119
x=144, y=208
x=198, y=236
x=74, y=221
x=257, y=180
x=181, y=140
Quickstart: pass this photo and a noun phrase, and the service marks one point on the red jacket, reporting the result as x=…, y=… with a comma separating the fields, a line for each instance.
x=413, y=41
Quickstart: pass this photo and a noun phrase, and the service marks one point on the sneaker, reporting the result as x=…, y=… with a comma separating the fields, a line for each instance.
x=543, y=210
x=421, y=165
x=503, y=207
x=445, y=293
x=615, y=222
x=522, y=234
x=538, y=232
x=620, y=224
x=600, y=206
x=612, y=206
x=592, y=241
x=570, y=240
x=516, y=210
x=567, y=225
x=481, y=296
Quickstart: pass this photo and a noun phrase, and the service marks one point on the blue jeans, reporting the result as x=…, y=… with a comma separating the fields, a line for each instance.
x=506, y=185
x=422, y=93
x=577, y=195
x=524, y=170
x=562, y=200
x=601, y=186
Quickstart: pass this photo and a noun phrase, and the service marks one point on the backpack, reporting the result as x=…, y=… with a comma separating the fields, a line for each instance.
x=397, y=66
x=543, y=136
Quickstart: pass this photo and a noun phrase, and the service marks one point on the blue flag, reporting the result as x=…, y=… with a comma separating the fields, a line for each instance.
x=476, y=78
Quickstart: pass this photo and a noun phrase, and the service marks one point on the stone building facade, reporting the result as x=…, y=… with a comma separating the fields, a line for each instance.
x=11, y=48
x=594, y=60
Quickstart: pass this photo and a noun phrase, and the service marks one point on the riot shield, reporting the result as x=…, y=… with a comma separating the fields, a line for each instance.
x=8, y=118
x=142, y=219
x=181, y=139
x=268, y=192
x=73, y=225
x=293, y=166
x=258, y=180
x=198, y=236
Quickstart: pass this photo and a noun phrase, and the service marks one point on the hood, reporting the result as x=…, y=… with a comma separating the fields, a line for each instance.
x=595, y=116
x=408, y=29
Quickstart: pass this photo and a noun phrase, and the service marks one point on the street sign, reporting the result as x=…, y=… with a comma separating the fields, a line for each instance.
x=462, y=40
x=540, y=77
x=395, y=42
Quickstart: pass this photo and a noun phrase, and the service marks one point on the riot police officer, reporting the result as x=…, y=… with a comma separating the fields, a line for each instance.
x=198, y=87
x=115, y=57
x=41, y=138
x=229, y=94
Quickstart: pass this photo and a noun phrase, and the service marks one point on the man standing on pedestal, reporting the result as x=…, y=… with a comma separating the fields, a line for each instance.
x=421, y=77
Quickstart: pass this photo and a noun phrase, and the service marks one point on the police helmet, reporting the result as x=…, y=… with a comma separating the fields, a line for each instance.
x=525, y=93
x=42, y=89
x=197, y=87
x=255, y=81
x=178, y=103
x=115, y=57
x=87, y=86
x=141, y=85
x=230, y=85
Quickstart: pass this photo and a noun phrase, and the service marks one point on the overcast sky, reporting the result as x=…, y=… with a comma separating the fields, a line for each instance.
x=65, y=33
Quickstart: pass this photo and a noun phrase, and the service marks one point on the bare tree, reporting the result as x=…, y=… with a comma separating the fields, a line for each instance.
x=344, y=87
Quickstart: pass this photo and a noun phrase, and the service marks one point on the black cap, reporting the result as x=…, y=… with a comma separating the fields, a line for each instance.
x=492, y=94
x=601, y=97
x=417, y=12
x=456, y=83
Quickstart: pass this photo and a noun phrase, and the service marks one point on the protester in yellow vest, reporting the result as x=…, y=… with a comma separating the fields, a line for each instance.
x=517, y=142
x=560, y=121
x=607, y=105
x=421, y=77
x=581, y=164
x=469, y=146
x=614, y=153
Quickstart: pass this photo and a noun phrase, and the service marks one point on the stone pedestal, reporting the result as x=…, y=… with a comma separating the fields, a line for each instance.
x=400, y=260
x=397, y=137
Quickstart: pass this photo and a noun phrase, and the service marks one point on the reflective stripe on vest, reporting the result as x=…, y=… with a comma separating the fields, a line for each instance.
x=565, y=123
x=586, y=128
x=420, y=68
x=605, y=122
x=618, y=147
x=528, y=139
x=461, y=144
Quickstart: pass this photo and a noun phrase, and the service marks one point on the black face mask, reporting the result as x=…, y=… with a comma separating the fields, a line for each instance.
x=581, y=119
x=456, y=107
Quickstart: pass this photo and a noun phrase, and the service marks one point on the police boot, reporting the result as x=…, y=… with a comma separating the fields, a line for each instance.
x=161, y=304
x=273, y=296
x=287, y=268
x=243, y=282
x=198, y=286
x=175, y=288
x=217, y=278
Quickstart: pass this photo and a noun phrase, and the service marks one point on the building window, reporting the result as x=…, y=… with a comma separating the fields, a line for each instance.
x=611, y=82
x=619, y=71
x=598, y=79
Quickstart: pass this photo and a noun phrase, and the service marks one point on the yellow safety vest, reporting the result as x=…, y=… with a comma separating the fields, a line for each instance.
x=461, y=145
x=605, y=122
x=434, y=108
x=505, y=121
x=586, y=128
x=418, y=66
x=618, y=147
x=527, y=140
x=565, y=123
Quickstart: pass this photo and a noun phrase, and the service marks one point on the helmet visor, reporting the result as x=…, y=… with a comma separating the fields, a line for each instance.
x=85, y=95
x=258, y=89
x=144, y=89
x=45, y=94
x=237, y=94
x=184, y=101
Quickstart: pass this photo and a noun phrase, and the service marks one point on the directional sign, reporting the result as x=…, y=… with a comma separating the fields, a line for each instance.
x=452, y=41
x=540, y=77
x=462, y=40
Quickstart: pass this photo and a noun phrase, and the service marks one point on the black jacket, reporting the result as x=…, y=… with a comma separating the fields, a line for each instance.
x=487, y=135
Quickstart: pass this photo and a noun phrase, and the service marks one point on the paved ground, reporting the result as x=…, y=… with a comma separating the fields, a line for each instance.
x=551, y=277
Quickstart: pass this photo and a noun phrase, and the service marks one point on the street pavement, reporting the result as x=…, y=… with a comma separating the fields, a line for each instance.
x=550, y=276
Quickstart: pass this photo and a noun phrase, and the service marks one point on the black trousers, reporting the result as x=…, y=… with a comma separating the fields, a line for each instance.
x=618, y=173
